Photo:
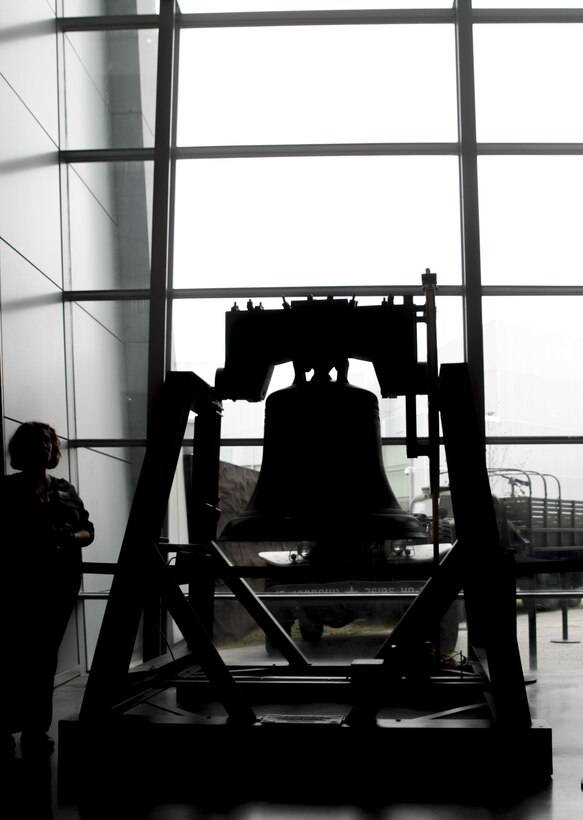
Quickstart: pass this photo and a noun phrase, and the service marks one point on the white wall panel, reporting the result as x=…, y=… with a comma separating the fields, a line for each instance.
x=110, y=215
x=106, y=485
x=100, y=386
x=107, y=481
x=86, y=109
x=33, y=359
x=30, y=211
x=94, y=262
x=28, y=58
x=97, y=177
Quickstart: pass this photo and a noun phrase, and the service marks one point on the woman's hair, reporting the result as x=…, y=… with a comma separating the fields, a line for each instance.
x=25, y=438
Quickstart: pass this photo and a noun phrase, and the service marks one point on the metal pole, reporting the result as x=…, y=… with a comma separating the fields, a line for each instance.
x=161, y=204
x=471, y=261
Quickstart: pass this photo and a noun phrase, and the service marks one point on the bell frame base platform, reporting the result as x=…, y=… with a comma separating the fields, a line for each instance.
x=295, y=753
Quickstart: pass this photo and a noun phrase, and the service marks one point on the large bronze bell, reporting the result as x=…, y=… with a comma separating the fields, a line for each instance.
x=322, y=475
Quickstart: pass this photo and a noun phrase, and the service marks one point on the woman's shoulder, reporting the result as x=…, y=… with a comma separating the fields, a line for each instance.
x=62, y=486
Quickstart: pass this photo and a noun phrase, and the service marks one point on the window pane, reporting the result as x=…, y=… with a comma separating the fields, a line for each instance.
x=364, y=608
x=538, y=494
x=110, y=342
x=530, y=220
x=352, y=84
x=551, y=471
x=533, y=378
x=199, y=345
x=33, y=356
x=110, y=214
x=107, y=482
x=540, y=490
x=110, y=88
x=316, y=221
x=528, y=79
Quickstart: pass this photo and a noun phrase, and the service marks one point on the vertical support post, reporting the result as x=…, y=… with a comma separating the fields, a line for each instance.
x=532, y=637
x=203, y=511
x=564, y=615
x=161, y=203
x=204, y=495
x=430, y=287
x=470, y=219
x=489, y=580
x=152, y=626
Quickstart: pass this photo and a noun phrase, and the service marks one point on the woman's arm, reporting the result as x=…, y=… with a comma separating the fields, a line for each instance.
x=82, y=538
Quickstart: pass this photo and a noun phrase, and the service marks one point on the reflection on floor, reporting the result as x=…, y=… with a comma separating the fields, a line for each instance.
x=555, y=692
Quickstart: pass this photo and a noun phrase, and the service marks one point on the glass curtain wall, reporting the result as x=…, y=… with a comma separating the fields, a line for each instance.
x=108, y=97
x=265, y=151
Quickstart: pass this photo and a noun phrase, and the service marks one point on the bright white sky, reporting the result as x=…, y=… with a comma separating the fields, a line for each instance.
x=375, y=220
x=335, y=220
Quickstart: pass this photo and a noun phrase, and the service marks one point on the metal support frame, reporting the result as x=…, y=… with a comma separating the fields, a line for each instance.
x=199, y=714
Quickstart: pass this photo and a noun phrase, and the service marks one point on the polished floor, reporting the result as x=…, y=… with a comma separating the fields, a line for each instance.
x=555, y=693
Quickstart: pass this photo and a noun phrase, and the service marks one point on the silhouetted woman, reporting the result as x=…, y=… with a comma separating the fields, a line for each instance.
x=44, y=526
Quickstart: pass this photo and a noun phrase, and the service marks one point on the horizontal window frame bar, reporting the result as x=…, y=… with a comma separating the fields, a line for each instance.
x=118, y=22
x=398, y=441
x=81, y=155
x=367, y=149
x=85, y=155
x=107, y=22
x=401, y=441
x=308, y=17
x=370, y=290
x=305, y=291
x=349, y=149
x=258, y=19
x=144, y=294
x=528, y=149
x=122, y=295
x=375, y=17
x=96, y=443
x=534, y=440
x=548, y=15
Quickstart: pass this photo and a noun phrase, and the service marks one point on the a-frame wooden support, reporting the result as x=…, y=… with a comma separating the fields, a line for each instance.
x=477, y=564
x=142, y=572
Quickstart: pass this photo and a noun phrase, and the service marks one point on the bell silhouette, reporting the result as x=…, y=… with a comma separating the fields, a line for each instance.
x=322, y=476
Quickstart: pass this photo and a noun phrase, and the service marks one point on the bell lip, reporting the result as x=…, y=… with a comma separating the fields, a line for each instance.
x=376, y=526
